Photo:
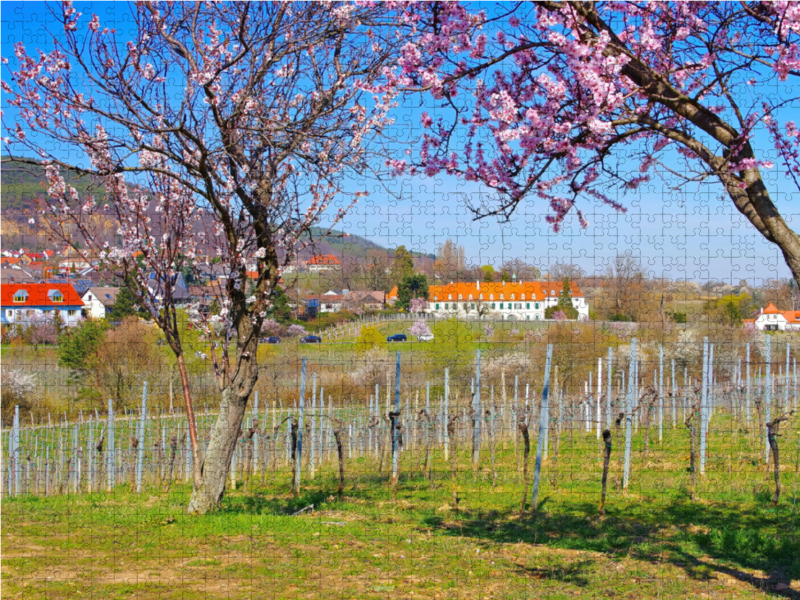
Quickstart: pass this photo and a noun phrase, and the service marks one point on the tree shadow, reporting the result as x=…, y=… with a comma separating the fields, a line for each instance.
x=703, y=539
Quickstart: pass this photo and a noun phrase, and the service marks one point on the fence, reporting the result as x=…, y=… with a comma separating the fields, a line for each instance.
x=738, y=415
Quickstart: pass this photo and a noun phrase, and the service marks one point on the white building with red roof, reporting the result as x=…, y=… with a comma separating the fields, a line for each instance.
x=323, y=262
x=509, y=301
x=24, y=304
x=772, y=319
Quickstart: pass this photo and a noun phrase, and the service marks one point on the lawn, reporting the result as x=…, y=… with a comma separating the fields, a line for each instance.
x=731, y=542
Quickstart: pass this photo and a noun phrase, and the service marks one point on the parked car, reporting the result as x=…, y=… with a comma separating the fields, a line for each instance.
x=311, y=339
x=397, y=337
x=425, y=338
x=274, y=340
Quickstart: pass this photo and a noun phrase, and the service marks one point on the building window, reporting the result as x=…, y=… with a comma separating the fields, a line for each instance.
x=71, y=313
x=480, y=297
x=512, y=296
x=501, y=296
x=537, y=306
x=21, y=296
x=537, y=317
x=492, y=305
x=473, y=306
x=528, y=305
x=460, y=297
x=446, y=306
x=449, y=296
x=491, y=296
x=470, y=296
x=501, y=306
x=553, y=293
x=437, y=306
x=523, y=296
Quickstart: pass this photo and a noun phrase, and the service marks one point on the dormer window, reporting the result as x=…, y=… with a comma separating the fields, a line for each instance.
x=512, y=296
x=553, y=293
x=21, y=296
x=501, y=296
x=480, y=297
x=523, y=296
x=470, y=296
x=449, y=296
x=491, y=296
x=460, y=297
x=55, y=296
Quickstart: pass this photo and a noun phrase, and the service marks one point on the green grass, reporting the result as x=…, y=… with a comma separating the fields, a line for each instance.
x=654, y=542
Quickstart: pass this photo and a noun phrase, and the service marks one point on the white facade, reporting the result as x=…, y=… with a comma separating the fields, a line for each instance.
x=506, y=310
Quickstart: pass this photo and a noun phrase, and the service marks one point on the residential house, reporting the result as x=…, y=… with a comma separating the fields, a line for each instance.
x=508, y=301
x=324, y=262
x=772, y=319
x=365, y=300
x=11, y=275
x=23, y=304
x=98, y=301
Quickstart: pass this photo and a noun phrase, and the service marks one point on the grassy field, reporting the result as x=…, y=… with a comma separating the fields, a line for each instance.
x=731, y=542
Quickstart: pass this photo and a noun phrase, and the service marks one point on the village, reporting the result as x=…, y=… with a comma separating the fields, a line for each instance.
x=63, y=285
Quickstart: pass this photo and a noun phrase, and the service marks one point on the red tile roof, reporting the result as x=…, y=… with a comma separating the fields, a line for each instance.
x=324, y=259
x=532, y=290
x=39, y=294
x=771, y=310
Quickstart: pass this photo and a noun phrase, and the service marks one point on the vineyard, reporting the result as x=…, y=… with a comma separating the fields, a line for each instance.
x=620, y=461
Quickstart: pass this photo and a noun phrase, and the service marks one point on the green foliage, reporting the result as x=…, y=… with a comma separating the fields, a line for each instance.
x=730, y=309
x=677, y=317
x=411, y=286
x=280, y=310
x=78, y=345
x=618, y=318
x=125, y=306
x=402, y=266
x=505, y=276
x=488, y=273
x=564, y=303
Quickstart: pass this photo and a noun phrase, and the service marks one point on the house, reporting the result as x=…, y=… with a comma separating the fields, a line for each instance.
x=81, y=285
x=507, y=301
x=772, y=319
x=11, y=275
x=327, y=302
x=366, y=300
x=324, y=262
x=98, y=301
x=23, y=304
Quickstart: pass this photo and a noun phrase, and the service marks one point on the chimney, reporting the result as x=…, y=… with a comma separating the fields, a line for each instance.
x=478, y=283
x=504, y=283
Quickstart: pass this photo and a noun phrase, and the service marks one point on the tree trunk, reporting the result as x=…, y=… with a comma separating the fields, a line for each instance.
x=207, y=495
x=606, y=460
x=197, y=459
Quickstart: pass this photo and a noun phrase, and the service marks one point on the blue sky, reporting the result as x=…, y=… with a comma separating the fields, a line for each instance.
x=695, y=234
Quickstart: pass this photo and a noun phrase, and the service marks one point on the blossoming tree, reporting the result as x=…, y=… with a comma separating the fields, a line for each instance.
x=566, y=100
x=213, y=131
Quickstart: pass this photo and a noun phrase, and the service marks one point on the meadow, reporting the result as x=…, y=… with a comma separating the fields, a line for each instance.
x=94, y=503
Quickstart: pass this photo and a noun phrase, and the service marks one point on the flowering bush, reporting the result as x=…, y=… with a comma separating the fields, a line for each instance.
x=559, y=315
x=420, y=328
x=488, y=332
x=271, y=327
x=295, y=331
x=417, y=305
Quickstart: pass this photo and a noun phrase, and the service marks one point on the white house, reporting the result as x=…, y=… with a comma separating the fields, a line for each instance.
x=772, y=319
x=509, y=301
x=25, y=304
x=98, y=301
